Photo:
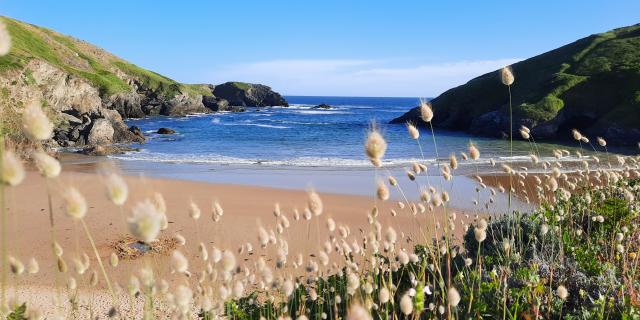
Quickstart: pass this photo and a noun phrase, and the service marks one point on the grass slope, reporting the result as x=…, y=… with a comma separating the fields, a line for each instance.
x=85, y=60
x=598, y=75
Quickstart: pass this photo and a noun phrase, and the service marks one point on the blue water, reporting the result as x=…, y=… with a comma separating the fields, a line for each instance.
x=300, y=136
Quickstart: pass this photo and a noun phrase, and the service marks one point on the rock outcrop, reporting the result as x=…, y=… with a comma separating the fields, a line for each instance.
x=322, y=106
x=248, y=95
x=165, y=131
x=591, y=85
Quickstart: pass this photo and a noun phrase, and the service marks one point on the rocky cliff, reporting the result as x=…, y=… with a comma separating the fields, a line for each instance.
x=592, y=84
x=88, y=91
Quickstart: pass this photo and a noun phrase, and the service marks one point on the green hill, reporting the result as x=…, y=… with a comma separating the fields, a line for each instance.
x=106, y=71
x=592, y=84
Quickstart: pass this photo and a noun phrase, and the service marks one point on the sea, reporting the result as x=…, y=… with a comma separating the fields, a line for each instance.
x=302, y=147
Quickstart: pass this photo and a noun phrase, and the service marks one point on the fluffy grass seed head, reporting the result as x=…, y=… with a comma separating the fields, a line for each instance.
x=474, y=153
x=601, y=141
x=314, y=203
x=35, y=123
x=506, y=76
x=179, y=262
x=5, y=39
x=145, y=222
x=382, y=191
x=562, y=292
x=358, y=312
x=75, y=203
x=406, y=305
x=453, y=296
x=117, y=189
x=48, y=166
x=414, y=133
x=194, y=211
x=12, y=169
x=375, y=146
x=426, y=112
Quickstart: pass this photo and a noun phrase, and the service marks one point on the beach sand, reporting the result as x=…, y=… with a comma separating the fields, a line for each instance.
x=245, y=208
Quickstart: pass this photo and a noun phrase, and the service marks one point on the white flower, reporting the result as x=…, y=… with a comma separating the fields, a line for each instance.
x=48, y=166
x=145, y=222
x=383, y=295
x=75, y=202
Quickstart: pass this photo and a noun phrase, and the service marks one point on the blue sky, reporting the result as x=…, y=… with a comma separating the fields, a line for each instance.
x=365, y=48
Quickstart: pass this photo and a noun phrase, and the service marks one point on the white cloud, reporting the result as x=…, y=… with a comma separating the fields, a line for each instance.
x=357, y=77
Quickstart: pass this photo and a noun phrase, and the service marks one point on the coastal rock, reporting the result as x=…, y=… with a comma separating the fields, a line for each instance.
x=101, y=133
x=248, y=95
x=215, y=103
x=182, y=105
x=322, y=106
x=127, y=104
x=165, y=131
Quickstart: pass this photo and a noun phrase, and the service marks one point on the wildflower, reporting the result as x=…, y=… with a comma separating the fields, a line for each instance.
x=382, y=191
x=353, y=283
x=146, y=221
x=12, y=170
x=331, y=225
x=48, y=166
x=454, y=297
x=392, y=181
x=506, y=75
x=375, y=147
x=314, y=203
x=117, y=189
x=406, y=305
x=562, y=292
x=179, y=262
x=76, y=204
x=358, y=312
x=35, y=123
x=426, y=113
x=5, y=40
x=620, y=248
x=413, y=131
x=474, y=153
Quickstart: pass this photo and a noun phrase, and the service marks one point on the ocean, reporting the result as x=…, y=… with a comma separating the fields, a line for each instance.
x=300, y=136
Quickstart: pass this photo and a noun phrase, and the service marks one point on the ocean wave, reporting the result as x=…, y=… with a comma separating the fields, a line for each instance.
x=227, y=160
x=255, y=125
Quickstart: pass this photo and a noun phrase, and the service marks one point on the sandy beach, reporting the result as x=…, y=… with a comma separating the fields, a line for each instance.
x=245, y=209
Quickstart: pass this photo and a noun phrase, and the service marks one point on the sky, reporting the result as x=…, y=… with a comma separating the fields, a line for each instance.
x=342, y=48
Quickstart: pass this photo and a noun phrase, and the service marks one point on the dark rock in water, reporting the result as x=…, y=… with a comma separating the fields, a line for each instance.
x=166, y=131
x=137, y=132
x=248, y=95
x=106, y=150
x=322, y=106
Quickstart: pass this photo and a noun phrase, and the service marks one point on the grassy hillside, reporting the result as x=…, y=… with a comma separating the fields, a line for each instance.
x=593, y=82
x=106, y=71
